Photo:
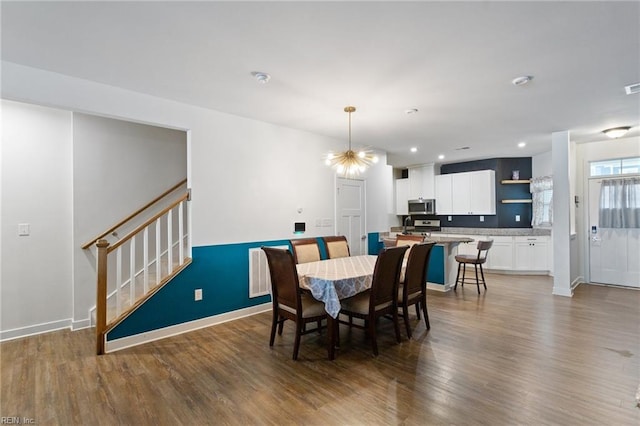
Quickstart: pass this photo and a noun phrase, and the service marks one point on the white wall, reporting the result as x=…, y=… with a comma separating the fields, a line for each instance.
x=36, y=281
x=118, y=167
x=541, y=165
x=247, y=177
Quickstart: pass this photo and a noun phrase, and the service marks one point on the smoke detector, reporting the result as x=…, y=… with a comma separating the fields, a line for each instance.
x=261, y=77
x=522, y=80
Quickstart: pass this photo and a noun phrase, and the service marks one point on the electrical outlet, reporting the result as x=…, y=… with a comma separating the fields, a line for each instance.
x=449, y=218
x=481, y=218
x=517, y=218
x=197, y=294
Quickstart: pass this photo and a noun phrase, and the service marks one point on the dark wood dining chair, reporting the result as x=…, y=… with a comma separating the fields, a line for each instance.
x=289, y=301
x=305, y=250
x=381, y=299
x=475, y=260
x=413, y=288
x=336, y=246
x=408, y=240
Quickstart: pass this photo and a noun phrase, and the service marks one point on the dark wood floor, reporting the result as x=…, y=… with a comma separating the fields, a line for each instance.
x=516, y=355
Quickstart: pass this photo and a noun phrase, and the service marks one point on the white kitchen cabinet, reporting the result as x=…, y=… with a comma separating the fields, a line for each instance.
x=421, y=182
x=402, y=197
x=500, y=255
x=468, y=193
x=443, y=195
x=531, y=253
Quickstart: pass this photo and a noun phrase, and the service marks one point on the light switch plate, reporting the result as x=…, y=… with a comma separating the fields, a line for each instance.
x=481, y=218
x=517, y=218
x=197, y=294
x=24, y=229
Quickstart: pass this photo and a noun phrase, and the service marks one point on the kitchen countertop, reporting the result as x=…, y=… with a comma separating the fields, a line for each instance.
x=484, y=231
x=391, y=241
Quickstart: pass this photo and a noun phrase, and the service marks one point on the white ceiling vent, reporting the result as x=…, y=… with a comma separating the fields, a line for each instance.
x=632, y=88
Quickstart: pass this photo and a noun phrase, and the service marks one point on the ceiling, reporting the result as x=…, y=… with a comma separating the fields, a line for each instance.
x=453, y=61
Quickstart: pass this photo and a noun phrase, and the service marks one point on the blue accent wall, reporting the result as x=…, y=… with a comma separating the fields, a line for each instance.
x=435, y=273
x=505, y=213
x=221, y=271
x=374, y=245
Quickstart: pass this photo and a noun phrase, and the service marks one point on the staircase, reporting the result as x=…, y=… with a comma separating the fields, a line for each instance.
x=155, y=247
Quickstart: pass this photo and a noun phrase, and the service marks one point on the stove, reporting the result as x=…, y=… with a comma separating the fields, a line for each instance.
x=426, y=227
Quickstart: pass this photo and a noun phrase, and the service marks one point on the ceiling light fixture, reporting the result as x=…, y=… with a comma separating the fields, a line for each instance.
x=261, y=77
x=441, y=157
x=522, y=144
x=616, y=132
x=414, y=149
x=522, y=80
x=350, y=163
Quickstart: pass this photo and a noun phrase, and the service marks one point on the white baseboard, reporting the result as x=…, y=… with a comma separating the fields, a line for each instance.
x=562, y=291
x=32, y=330
x=79, y=325
x=174, y=330
x=575, y=283
x=438, y=287
x=513, y=272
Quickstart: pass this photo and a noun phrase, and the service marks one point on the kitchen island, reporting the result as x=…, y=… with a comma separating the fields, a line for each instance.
x=441, y=275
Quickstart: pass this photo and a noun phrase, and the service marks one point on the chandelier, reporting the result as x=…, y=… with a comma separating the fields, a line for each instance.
x=350, y=163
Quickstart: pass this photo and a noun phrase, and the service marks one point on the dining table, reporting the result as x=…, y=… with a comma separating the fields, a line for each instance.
x=332, y=280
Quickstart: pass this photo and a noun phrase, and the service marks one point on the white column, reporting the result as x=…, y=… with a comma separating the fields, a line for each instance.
x=560, y=159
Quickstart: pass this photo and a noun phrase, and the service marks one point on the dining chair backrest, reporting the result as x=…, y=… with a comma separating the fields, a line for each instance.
x=386, y=274
x=408, y=240
x=284, y=278
x=415, y=277
x=336, y=246
x=305, y=250
x=483, y=250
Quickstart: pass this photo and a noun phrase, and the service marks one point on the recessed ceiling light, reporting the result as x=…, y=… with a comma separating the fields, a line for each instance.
x=441, y=157
x=522, y=144
x=411, y=110
x=524, y=79
x=261, y=77
x=414, y=149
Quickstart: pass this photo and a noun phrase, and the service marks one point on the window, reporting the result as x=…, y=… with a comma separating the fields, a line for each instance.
x=541, y=189
x=620, y=203
x=620, y=166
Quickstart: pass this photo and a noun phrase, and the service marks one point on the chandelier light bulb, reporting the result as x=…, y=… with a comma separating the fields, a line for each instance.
x=350, y=163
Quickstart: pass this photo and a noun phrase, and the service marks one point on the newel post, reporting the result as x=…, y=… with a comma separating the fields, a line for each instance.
x=101, y=295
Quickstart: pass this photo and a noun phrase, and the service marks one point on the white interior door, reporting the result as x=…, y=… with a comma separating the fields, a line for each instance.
x=613, y=252
x=350, y=213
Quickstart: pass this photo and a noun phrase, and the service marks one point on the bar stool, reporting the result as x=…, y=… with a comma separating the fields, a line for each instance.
x=464, y=259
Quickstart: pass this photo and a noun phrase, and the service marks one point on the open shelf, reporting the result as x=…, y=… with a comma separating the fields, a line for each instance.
x=526, y=200
x=511, y=181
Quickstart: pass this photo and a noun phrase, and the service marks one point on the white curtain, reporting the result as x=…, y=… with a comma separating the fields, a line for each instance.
x=542, y=214
x=620, y=203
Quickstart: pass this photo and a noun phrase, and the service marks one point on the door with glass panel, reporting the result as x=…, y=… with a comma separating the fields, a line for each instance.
x=614, y=234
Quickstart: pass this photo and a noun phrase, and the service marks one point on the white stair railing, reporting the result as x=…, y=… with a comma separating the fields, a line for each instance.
x=136, y=266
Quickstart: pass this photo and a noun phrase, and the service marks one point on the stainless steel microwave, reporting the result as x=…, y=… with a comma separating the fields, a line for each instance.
x=422, y=206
